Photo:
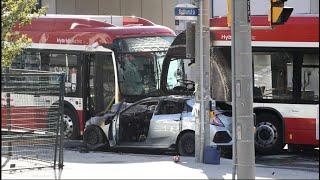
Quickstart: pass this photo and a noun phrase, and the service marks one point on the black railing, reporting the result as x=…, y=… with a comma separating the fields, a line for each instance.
x=31, y=120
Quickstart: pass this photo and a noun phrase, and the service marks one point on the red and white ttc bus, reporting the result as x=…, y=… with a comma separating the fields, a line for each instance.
x=105, y=58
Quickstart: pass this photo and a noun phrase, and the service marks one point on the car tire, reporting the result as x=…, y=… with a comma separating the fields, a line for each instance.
x=186, y=144
x=268, y=135
x=94, y=137
x=70, y=125
x=226, y=151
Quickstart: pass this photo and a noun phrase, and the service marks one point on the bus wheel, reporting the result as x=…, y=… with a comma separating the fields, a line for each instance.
x=70, y=125
x=268, y=136
x=186, y=145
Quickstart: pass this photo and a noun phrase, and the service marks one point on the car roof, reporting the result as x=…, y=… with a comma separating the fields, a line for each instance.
x=170, y=97
x=164, y=98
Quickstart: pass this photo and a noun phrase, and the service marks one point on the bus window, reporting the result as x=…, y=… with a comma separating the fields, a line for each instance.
x=310, y=77
x=27, y=61
x=139, y=62
x=272, y=75
x=138, y=73
x=62, y=62
x=102, y=83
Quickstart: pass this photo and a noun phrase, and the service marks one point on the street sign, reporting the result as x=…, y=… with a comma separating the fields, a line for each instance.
x=186, y=12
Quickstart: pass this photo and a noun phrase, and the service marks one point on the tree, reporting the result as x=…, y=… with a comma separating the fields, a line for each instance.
x=15, y=13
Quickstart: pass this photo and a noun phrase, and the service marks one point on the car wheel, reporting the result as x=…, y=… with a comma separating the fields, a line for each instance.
x=186, y=146
x=226, y=151
x=70, y=125
x=268, y=136
x=94, y=137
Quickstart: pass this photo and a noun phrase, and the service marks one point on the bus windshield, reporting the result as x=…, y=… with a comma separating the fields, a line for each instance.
x=139, y=62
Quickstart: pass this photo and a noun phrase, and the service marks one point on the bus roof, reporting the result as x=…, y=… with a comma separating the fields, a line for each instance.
x=113, y=20
x=88, y=29
x=298, y=31
x=69, y=47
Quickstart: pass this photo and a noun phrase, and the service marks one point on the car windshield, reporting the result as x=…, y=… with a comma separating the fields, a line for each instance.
x=139, y=63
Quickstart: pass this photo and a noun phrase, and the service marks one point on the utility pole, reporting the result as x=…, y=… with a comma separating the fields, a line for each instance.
x=202, y=54
x=242, y=111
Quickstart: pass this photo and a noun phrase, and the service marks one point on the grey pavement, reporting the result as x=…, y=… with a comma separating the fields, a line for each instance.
x=111, y=165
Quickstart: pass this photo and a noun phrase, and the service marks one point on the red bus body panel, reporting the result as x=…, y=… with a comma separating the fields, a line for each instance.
x=300, y=131
x=296, y=29
x=25, y=118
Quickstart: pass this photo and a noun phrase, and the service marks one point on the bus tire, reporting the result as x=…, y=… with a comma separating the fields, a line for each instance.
x=186, y=144
x=221, y=73
x=268, y=135
x=70, y=124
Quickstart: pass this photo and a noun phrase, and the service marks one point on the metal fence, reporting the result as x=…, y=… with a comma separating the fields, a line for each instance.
x=31, y=120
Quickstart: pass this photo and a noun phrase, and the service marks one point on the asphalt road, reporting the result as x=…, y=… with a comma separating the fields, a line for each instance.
x=305, y=161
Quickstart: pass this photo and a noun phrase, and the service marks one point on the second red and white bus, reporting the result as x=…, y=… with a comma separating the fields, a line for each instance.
x=285, y=81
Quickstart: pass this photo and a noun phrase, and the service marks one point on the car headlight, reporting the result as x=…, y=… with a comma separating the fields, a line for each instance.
x=214, y=119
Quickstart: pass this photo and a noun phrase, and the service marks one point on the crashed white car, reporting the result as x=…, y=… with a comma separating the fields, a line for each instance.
x=156, y=122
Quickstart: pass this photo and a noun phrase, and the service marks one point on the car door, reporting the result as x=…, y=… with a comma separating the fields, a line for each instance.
x=114, y=127
x=165, y=125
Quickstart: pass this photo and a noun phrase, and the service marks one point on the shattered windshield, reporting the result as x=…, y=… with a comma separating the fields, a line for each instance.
x=139, y=63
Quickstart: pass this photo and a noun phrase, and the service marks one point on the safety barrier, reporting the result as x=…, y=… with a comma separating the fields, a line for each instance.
x=31, y=120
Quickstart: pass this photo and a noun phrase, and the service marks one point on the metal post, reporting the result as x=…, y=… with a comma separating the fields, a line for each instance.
x=61, y=109
x=9, y=119
x=8, y=108
x=203, y=88
x=206, y=69
x=198, y=143
x=243, y=124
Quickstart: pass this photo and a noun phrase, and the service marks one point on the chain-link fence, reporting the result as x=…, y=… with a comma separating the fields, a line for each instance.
x=31, y=120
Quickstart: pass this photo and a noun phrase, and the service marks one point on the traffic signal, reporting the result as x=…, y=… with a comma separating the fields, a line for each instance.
x=278, y=13
x=229, y=13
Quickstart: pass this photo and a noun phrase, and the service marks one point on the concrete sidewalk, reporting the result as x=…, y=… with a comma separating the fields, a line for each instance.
x=109, y=165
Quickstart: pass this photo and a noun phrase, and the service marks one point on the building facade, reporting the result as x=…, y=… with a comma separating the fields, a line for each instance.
x=161, y=11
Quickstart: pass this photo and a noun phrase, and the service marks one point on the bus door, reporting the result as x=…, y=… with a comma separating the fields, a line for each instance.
x=99, y=83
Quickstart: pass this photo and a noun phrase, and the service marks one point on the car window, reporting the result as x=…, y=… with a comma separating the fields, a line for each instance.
x=170, y=107
x=189, y=105
x=141, y=107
